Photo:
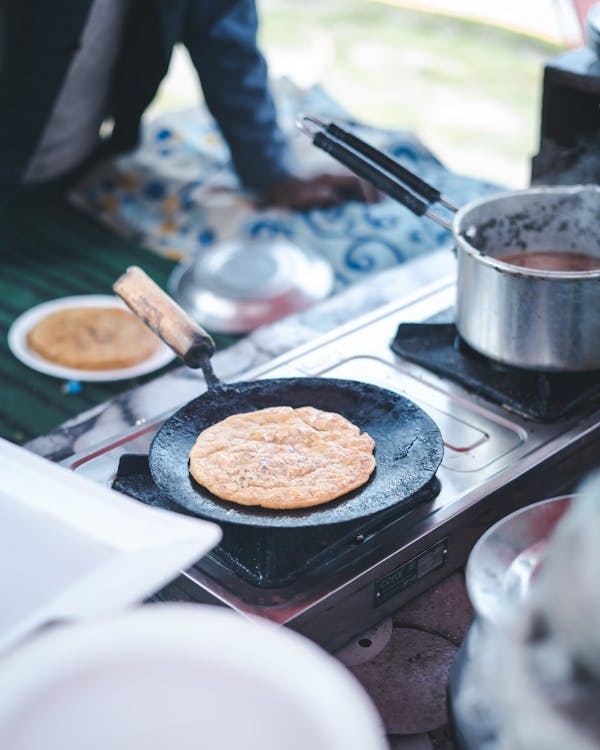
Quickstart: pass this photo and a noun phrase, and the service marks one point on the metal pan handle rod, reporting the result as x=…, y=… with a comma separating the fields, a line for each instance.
x=372, y=174
x=414, y=182
x=168, y=320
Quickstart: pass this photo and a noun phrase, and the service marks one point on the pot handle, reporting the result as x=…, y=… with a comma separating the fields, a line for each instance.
x=192, y=344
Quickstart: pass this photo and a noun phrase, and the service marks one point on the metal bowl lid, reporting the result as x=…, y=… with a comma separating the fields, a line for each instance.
x=236, y=286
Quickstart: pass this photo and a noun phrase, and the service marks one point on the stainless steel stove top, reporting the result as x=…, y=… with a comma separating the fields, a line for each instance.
x=494, y=462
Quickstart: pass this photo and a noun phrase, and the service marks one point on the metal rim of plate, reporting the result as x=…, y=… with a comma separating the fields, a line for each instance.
x=236, y=286
x=502, y=564
x=498, y=575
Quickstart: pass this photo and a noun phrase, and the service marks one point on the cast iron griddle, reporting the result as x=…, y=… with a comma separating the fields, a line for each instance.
x=408, y=447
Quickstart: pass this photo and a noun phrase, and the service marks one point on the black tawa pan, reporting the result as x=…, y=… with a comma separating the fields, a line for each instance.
x=408, y=447
x=408, y=444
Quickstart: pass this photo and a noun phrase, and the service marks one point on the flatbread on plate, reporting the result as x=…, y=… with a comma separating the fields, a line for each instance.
x=92, y=338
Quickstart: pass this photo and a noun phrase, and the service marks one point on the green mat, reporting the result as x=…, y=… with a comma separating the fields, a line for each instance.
x=49, y=249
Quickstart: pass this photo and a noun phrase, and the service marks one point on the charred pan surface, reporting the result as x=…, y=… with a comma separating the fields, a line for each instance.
x=408, y=447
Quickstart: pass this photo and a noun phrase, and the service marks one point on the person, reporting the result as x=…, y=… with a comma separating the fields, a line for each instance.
x=77, y=75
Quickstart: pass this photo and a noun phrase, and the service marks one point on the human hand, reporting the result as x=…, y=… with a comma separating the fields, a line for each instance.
x=321, y=191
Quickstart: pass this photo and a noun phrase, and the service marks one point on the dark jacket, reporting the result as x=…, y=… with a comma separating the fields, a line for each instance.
x=38, y=39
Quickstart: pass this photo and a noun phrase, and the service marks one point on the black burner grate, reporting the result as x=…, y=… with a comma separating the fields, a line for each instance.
x=539, y=396
x=272, y=557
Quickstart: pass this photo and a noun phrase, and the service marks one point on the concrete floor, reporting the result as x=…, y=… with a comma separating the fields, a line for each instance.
x=405, y=663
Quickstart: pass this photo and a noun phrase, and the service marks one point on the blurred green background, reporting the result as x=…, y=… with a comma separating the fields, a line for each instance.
x=471, y=91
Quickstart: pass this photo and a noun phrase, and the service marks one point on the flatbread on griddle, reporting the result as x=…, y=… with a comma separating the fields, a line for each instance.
x=92, y=338
x=282, y=458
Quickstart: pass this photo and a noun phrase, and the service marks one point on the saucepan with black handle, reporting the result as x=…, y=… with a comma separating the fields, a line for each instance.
x=528, y=261
x=408, y=444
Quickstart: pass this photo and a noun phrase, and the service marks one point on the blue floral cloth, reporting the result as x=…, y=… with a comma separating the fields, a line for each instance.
x=178, y=193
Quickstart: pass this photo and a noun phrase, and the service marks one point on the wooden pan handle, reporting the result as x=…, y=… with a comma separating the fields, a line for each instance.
x=164, y=316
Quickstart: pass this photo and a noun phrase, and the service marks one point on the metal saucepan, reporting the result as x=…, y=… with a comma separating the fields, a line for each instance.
x=535, y=319
x=408, y=444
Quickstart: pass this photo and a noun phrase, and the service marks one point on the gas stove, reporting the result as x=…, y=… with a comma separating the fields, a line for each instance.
x=331, y=584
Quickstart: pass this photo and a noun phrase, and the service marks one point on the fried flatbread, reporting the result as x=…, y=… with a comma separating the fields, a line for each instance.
x=282, y=458
x=92, y=338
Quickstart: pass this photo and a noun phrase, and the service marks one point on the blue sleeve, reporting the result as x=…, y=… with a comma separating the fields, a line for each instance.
x=220, y=36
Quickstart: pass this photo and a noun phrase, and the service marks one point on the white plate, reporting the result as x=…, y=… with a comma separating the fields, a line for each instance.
x=17, y=342
x=76, y=549
x=181, y=676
